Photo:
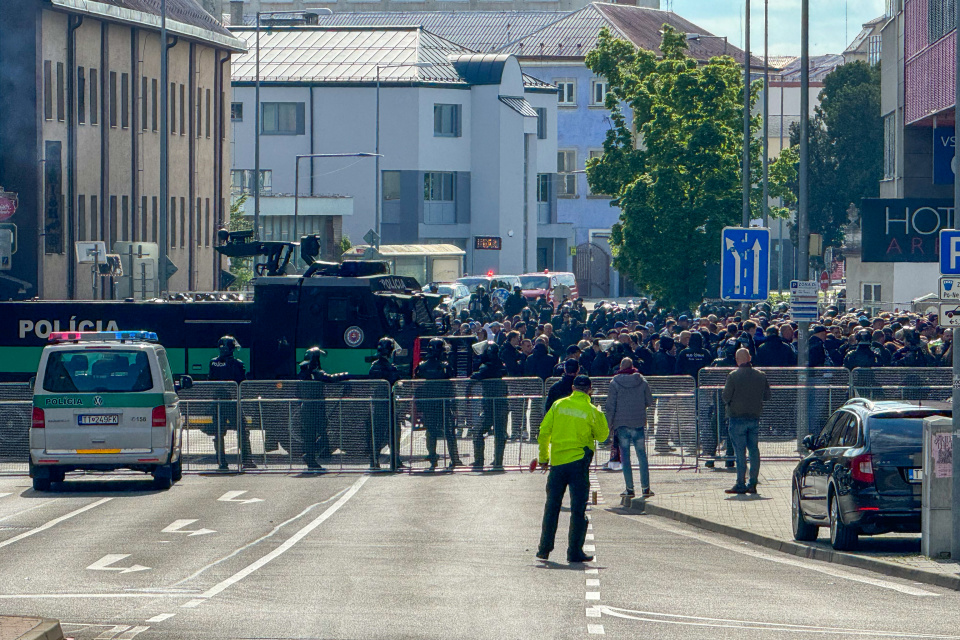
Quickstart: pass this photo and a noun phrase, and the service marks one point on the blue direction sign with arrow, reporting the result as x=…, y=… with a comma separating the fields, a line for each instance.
x=745, y=264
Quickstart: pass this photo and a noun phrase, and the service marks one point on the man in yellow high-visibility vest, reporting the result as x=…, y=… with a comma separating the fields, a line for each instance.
x=568, y=436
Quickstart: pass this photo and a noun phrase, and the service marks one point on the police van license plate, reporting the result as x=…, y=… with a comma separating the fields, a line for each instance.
x=915, y=475
x=98, y=419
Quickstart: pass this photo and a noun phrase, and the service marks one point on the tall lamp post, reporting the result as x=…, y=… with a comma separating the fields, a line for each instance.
x=693, y=37
x=376, y=207
x=766, y=112
x=746, y=118
x=257, y=125
x=164, y=153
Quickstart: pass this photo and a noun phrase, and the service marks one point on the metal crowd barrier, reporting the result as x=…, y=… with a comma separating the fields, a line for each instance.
x=783, y=420
x=487, y=423
x=210, y=439
x=671, y=433
x=344, y=426
x=920, y=384
x=16, y=412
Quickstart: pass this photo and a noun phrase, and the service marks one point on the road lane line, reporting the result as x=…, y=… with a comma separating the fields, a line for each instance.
x=593, y=595
x=112, y=632
x=54, y=522
x=288, y=544
x=161, y=617
x=811, y=565
x=130, y=634
x=779, y=627
x=595, y=629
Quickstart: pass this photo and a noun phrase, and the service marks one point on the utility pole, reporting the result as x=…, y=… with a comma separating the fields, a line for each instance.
x=164, y=153
x=766, y=112
x=955, y=543
x=803, y=223
x=746, y=118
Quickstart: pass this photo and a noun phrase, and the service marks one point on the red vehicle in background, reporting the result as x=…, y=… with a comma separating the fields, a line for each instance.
x=555, y=285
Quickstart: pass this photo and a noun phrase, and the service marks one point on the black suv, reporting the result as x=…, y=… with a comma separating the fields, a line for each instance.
x=863, y=473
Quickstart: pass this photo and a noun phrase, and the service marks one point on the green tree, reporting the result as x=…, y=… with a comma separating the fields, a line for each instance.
x=242, y=268
x=345, y=245
x=674, y=171
x=846, y=148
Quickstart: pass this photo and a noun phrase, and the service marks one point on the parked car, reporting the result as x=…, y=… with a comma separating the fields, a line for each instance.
x=490, y=282
x=863, y=475
x=456, y=296
x=553, y=284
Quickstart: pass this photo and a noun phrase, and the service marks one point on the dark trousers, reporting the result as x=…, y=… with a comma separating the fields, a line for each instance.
x=440, y=426
x=574, y=475
x=229, y=420
x=499, y=441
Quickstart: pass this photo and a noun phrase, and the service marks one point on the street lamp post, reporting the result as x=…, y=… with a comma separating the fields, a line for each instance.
x=692, y=37
x=746, y=117
x=164, y=141
x=306, y=15
x=766, y=112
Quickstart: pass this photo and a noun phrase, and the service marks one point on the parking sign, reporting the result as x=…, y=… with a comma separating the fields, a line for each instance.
x=950, y=252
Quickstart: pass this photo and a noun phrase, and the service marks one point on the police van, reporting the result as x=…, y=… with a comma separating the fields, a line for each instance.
x=104, y=401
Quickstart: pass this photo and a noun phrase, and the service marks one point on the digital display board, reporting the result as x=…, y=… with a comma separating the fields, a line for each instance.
x=490, y=243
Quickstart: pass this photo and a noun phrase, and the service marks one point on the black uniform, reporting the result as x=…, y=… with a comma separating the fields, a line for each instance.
x=226, y=368
x=313, y=416
x=435, y=400
x=494, y=410
x=863, y=356
x=383, y=369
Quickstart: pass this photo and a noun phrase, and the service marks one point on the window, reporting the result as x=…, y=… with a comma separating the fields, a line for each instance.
x=60, y=85
x=154, y=219
x=598, y=92
x=195, y=218
x=439, y=195
x=873, y=51
x=172, y=222
x=940, y=19
x=173, y=109
x=143, y=220
x=391, y=185
x=143, y=103
x=871, y=294
x=206, y=222
x=183, y=223
x=199, y=112
x=541, y=123
x=94, y=96
x=81, y=218
x=47, y=90
x=446, y=120
x=890, y=146
x=112, y=371
x=81, y=95
x=113, y=222
x=153, y=105
x=566, y=163
x=183, y=110
x=125, y=100
x=113, y=98
x=94, y=214
x=125, y=218
x=236, y=112
x=543, y=198
x=568, y=93
x=208, y=114
x=282, y=118
x=241, y=181
x=595, y=153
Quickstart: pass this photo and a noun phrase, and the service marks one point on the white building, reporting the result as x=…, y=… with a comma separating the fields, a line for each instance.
x=468, y=141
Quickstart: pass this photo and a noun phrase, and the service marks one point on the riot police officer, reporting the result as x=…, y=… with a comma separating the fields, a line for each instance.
x=314, y=416
x=493, y=415
x=436, y=403
x=384, y=369
x=228, y=368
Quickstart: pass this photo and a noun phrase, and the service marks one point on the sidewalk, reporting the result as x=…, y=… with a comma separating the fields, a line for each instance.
x=698, y=498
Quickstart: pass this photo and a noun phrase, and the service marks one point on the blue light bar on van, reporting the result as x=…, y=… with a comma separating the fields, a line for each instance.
x=102, y=336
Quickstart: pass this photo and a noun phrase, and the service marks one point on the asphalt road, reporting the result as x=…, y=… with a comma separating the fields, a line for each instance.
x=410, y=556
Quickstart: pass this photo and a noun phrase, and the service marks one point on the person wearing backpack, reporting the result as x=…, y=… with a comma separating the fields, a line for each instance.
x=628, y=398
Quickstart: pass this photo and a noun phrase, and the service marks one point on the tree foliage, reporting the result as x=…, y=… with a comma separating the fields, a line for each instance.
x=846, y=147
x=242, y=268
x=674, y=171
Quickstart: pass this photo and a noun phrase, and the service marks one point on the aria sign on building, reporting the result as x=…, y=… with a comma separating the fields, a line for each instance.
x=903, y=230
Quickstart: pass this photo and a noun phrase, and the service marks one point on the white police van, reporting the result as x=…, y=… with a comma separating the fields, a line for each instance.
x=105, y=401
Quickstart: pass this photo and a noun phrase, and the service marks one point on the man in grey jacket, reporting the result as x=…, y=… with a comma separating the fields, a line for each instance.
x=626, y=410
x=744, y=393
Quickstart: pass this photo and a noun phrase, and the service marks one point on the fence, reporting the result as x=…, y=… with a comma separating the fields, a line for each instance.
x=291, y=425
x=347, y=426
x=671, y=422
x=786, y=416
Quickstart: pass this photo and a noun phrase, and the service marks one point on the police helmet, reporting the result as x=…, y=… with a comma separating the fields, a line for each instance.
x=386, y=347
x=436, y=348
x=228, y=344
x=490, y=353
x=864, y=337
x=313, y=356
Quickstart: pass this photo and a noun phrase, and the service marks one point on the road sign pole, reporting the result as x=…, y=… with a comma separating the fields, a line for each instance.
x=955, y=546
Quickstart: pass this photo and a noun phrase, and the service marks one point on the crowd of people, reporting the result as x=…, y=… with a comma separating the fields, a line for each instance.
x=534, y=338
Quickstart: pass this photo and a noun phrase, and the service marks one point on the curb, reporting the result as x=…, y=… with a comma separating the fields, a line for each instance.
x=947, y=581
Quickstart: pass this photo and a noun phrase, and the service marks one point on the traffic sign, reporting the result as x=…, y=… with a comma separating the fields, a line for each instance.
x=950, y=252
x=372, y=238
x=824, y=281
x=803, y=299
x=745, y=264
x=950, y=314
x=950, y=288
x=8, y=204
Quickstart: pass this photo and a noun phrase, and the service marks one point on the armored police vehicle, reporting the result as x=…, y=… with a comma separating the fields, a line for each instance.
x=342, y=308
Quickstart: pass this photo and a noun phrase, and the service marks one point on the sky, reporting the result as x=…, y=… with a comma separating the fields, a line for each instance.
x=833, y=23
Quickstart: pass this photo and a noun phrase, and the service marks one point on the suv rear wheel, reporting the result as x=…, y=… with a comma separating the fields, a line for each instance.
x=802, y=530
x=41, y=484
x=842, y=537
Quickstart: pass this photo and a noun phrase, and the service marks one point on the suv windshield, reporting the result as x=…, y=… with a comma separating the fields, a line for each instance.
x=473, y=283
x=534, y=282
x=107, y=371
x=445, y=290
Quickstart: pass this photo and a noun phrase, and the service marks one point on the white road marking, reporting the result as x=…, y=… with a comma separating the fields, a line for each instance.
x=85, y=596
x=178, y=527
x=697, y=621
x=587, y=548
x=286, y=546
x=103, y=564
x=161, y=617
x=112, y=632
x=593, y=595
x=592, y=570
x=593, y=583
x=812, y=565
x=54, y=522
x=5, y=494
x=131, y=633
x=231, y=496
x=590, y=536
x=593, y=612
x=595, y=629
